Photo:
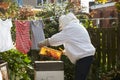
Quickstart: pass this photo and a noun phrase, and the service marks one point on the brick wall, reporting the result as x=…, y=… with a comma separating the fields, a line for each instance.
x=105, y=12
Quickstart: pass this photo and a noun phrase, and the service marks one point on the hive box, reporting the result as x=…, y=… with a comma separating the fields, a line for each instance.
x=49, y=70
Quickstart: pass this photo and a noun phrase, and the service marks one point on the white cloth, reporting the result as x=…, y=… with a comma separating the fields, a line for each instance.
x=60, y=22
x=1, y=76
x=75, y=39
x=5, y=35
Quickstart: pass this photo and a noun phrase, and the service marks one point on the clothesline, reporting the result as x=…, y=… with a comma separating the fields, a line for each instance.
x=29, y=18
x=37, y=18
x=52, y=18
x=99, y=19
x=24, y=40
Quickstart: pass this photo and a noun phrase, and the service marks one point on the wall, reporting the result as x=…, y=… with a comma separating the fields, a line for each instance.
x=104, y=16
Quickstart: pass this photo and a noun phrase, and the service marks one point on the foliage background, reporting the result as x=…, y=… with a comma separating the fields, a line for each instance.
x=21, y=62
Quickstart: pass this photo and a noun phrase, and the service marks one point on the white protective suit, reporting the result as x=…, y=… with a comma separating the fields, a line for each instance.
x=74, y=37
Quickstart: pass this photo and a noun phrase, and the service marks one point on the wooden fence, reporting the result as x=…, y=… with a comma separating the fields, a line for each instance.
x=105, y=41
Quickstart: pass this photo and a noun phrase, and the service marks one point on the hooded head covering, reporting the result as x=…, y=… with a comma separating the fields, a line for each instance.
x=64, y=20
x=61, y=18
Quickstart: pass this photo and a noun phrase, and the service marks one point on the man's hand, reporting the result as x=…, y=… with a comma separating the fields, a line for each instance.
x=40, y=44
x=43, y=43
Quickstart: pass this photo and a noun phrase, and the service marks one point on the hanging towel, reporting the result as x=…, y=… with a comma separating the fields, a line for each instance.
x=23, y=42
x=5, y=35
x=1, y=76
x=37, y=33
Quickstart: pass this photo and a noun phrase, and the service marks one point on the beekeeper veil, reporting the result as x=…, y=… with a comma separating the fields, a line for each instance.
x=61, y=22
x=64, y=20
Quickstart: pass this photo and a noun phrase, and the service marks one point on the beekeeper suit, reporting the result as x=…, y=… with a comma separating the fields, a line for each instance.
x=76, y=41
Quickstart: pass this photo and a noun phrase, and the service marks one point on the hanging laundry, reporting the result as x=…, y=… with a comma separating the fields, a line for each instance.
x=1, y=76
x=5, y=35
x=37, y=33
x=23, y=42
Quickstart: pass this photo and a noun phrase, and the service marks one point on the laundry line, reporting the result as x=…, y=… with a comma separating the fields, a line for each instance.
x=99, y=18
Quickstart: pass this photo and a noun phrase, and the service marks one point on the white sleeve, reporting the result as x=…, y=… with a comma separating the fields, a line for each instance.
x=10, y=22
x=58, y=39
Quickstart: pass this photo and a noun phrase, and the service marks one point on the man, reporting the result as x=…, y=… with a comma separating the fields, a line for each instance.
x=77, y=44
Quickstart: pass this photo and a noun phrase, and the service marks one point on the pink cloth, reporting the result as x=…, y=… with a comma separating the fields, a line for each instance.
x=23, y=42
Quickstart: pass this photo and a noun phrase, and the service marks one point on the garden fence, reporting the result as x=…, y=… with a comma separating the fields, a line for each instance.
x=105, y=41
